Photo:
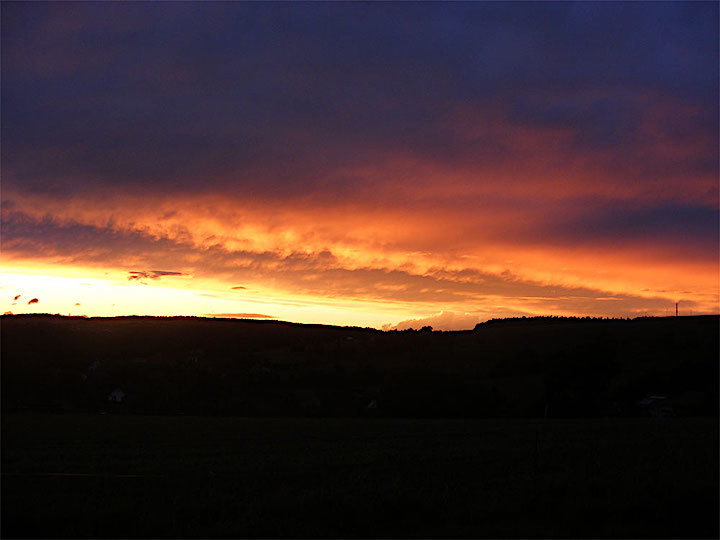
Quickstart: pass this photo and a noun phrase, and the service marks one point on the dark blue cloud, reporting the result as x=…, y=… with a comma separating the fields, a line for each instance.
x=277, y=97
x=597, y=123
x=682, y=230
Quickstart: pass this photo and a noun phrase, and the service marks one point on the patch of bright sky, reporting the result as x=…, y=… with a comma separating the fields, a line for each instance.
x=114, y=295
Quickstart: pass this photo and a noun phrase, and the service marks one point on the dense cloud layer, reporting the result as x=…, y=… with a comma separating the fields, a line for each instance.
x=368, y=150
x=278, y=99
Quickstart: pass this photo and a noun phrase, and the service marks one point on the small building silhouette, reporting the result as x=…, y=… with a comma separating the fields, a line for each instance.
x=657, y=406
x=116, y=396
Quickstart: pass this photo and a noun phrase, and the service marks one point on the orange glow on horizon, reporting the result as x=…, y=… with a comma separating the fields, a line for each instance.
x=417, y=240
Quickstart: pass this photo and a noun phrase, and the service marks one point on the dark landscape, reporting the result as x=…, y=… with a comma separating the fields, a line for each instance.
x=191, y=427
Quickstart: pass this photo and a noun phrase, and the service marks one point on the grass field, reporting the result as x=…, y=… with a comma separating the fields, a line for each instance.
x=234, y=477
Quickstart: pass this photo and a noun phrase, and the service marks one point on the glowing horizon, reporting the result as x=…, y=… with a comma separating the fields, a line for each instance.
x=273, y=161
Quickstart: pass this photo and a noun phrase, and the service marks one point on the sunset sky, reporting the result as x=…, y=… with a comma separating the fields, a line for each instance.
x=370, y=164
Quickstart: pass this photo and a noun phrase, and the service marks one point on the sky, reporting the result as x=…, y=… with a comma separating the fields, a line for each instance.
x=389, y=165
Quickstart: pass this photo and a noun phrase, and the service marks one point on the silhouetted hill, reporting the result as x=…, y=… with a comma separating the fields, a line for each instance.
x=524, y=321
x=523, y=367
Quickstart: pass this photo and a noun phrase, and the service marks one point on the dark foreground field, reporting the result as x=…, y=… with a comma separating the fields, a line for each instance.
x=150, y=476
x=187, y=427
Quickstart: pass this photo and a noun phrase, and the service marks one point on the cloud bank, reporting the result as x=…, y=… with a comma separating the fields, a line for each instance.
x=459, y=159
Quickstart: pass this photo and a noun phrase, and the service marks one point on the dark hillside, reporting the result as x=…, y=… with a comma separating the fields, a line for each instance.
x=562, y=367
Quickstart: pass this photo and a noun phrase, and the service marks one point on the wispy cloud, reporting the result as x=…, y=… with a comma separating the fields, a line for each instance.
x=151, y=274
x=240, y=315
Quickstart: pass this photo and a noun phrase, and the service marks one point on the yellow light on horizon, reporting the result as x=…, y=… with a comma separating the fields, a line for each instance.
x=109, y=294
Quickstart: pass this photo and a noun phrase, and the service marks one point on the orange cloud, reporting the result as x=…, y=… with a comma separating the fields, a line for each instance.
x=240, y=316
x=555, y=227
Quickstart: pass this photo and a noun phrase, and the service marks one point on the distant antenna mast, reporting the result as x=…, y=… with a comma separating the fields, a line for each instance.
x=676, y=309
